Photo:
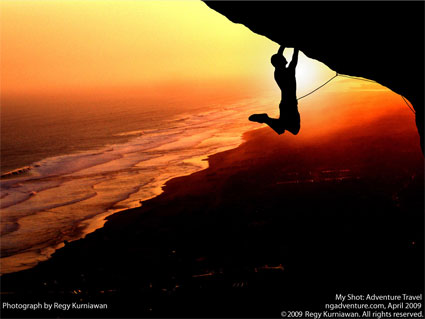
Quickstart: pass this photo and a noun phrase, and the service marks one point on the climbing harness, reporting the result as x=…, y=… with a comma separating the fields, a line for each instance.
x=355, y=78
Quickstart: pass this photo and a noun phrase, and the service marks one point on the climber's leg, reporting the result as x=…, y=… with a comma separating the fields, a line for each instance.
x=289, y=116
x=275, y=124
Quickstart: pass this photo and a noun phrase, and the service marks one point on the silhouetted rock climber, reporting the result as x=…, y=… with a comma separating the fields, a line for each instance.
x=289, y=118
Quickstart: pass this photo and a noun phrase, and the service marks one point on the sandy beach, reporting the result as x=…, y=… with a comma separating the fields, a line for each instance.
x=275, y=224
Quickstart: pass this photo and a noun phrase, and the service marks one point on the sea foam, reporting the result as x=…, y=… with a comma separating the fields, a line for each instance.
x=65, y=197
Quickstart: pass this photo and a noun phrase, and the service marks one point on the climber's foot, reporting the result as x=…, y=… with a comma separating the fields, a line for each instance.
x=293, y=129
x=259, y=118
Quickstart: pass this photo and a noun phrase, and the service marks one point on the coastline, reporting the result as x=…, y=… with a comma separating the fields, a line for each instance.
x=148, y=163
x=91, y=224
x=271, y=215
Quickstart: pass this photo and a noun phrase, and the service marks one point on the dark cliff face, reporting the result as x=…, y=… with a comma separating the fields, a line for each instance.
x=382, y=41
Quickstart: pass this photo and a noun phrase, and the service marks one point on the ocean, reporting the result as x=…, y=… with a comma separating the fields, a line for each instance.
x=65, y=168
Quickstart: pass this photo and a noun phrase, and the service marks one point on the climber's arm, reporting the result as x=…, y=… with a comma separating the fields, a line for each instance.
x=294, y=60
x=281, y=49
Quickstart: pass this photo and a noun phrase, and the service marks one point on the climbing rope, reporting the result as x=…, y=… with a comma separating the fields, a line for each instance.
x=354, y=78
x=319, y=87
x=411, y=108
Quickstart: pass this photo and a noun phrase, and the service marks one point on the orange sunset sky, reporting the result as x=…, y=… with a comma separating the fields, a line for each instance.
x=57, y=45
x=78, y=47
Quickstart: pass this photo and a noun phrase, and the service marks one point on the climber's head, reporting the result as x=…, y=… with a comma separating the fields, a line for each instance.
x=278, y=60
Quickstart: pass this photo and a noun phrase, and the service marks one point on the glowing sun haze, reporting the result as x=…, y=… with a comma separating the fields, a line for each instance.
x=59, y=45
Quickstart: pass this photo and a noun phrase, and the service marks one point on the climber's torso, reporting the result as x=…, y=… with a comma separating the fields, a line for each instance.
x=285, y=79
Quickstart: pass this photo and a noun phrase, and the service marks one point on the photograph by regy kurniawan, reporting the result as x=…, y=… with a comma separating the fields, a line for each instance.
x=212, y=159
